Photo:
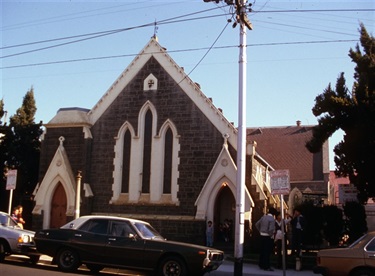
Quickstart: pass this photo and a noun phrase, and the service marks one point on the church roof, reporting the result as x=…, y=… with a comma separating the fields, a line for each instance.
x=284, y=148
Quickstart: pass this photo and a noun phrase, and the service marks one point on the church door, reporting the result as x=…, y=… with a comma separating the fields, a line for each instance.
x=225, y=207
x=58, y=207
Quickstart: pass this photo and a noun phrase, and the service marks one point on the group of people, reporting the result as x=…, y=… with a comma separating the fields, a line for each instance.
x=17, y=216
x=225, y=232
x=270, y=228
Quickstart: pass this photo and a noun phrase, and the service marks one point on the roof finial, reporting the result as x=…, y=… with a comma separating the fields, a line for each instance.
x=61, y=139
x=155, y=30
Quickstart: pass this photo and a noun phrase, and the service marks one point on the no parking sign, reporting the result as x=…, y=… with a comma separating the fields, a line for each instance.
x=280, y=184
x=11, y=180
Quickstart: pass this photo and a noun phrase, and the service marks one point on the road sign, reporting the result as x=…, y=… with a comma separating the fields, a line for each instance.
x=280, y=184
x=11, y=180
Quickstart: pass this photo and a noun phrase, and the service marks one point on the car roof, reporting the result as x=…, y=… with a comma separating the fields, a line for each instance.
x=76, y=223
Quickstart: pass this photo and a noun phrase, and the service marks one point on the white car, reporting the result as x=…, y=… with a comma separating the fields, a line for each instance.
x=14, y=240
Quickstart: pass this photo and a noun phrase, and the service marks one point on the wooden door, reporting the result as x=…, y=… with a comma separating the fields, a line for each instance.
x=58, y=207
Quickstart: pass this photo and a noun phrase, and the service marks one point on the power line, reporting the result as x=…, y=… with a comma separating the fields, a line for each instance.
x=322, y=10
x=172, y=20
x=108, y=32
x=179, y=51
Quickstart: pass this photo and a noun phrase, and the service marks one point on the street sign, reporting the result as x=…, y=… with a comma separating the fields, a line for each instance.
x=11, y=180
x=280, y=184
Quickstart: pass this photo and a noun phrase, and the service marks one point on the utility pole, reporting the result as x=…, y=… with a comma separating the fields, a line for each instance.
x=241, y=17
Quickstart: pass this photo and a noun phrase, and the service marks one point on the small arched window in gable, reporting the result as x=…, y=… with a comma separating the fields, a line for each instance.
x=168, y=154
x=126, y=162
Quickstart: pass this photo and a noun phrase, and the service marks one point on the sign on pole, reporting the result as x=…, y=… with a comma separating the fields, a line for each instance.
x=11, y=180
x=11, y=185
x=280, y=184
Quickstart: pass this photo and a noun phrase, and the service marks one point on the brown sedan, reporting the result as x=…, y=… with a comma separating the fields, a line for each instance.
x=358, y=259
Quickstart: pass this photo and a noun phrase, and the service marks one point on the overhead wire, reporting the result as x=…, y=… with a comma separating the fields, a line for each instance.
x=176, y=19
x=108, y=32
x=161, y=22
x=179, y=51
x=208, y=50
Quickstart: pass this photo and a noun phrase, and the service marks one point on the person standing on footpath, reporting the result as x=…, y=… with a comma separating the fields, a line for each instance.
x=15, y=217
x=279, y=236
x=209, y=234
x=298, y=223
x=266, y=228
x=20, y=218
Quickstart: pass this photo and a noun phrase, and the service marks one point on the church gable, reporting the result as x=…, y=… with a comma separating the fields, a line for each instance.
x=181, y=81
x=153, y=139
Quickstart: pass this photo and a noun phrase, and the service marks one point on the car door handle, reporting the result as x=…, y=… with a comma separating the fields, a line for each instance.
x=78, y=235
x=111, y=239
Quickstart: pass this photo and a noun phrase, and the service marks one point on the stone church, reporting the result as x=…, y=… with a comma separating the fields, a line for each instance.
x=155, y=148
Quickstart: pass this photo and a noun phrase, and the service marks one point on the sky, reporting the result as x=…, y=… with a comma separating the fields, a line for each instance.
x=71, y=52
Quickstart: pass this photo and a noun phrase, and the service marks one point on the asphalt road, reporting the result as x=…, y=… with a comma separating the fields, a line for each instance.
x=19, y=266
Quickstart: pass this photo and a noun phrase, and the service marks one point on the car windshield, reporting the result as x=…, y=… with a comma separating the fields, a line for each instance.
x=7, y=220
x=147, y=231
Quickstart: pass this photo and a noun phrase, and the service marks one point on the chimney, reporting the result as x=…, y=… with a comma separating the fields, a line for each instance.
x=298, y=123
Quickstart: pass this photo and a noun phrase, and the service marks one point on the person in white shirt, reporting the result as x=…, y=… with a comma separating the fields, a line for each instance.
x=266, y=228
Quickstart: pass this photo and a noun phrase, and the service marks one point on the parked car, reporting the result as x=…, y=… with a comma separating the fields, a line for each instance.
x=15, y=240
x=358, y=259
x=109, y=241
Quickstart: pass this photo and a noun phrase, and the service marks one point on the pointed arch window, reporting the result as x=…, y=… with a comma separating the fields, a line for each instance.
x=126, y=162
x=168, y=152
x=146, y=163
x=146, y=171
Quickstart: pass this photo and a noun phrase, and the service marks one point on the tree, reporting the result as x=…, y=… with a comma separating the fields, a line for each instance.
x=355, y=219
x=3, y=153
x=20, y=148
x=2, y=111
x=354, y=113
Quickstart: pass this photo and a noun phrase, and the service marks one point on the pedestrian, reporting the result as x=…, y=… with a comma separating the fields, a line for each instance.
x=15, y=216
x=266, y=228
x=209, y=234
x=226, y=229
x=298, y=224
x=20, y=218
x=279, y=237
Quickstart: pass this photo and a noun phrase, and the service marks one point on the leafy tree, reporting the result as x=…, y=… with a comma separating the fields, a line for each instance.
x=2, y=111
x=333, y=225
x=312, y=233
x=3, y=153
x=355, y=220
x=20, y=148
x=354, y=113
x=25, y=115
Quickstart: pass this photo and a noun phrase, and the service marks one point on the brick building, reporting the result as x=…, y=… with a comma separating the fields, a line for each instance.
x=154, y=147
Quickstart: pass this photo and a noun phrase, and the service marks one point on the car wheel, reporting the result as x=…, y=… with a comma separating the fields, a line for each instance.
x=2, y=251
x=363, y=272
x=34, y=259
x=67, y=260
x=94, y=268
x=172, y=266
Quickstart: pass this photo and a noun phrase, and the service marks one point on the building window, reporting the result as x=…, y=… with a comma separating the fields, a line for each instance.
x=168, y=150
x=146, y=162
x=147, y=153
x=126, y=162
